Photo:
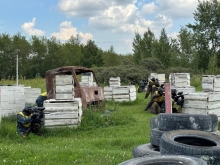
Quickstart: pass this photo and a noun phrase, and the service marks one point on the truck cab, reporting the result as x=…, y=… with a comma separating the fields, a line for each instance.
x=89, y=90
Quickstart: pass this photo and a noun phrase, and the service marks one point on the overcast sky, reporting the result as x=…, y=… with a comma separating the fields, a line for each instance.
x=107, y=22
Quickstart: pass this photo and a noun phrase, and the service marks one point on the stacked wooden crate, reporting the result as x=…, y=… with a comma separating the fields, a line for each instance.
x=202, y=103
x=181, y=82
x=62, y=113
x=211, y=83
x=64, y=87
x=114, y=82
x=87, y=80
x=65, y=110
x=108, y=93
x=161, y=77
x=179, y=79
x=124, y=93
x=121, y=93
x=12, y=100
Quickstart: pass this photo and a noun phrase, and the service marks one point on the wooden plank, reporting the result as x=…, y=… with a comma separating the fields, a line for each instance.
x=194, y=111
x=64, y=80
x=64, y=96
x=201, y=104
x=56, y=122
x=168, y=104
x=65, y=88
x=62, y=115
x=119, y=96
x=121, y=100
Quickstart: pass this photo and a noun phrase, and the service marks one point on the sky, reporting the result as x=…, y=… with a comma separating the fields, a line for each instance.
x=106, y=22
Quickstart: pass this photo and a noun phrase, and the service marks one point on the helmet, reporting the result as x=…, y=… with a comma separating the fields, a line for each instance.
x=157, y=84
x=44, y=94
x=153, y=79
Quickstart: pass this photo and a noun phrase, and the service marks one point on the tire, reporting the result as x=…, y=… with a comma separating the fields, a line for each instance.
x=176, y=121
x=200, y=144
x=153, y=122
x=214, y=122
x=165, y=160
x=155, y=135
x=145, y=150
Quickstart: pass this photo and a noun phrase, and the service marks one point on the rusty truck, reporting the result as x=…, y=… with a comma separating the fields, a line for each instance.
x=90, y=94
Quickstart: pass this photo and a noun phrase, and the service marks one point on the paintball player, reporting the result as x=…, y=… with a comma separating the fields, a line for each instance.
x=40, y=99
x=157, y=100
x=25, y=120
x=151, y=87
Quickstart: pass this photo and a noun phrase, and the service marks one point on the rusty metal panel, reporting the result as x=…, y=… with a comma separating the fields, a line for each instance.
x=88, y=94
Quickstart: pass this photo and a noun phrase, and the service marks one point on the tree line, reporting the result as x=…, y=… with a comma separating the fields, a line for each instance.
x=196, y=47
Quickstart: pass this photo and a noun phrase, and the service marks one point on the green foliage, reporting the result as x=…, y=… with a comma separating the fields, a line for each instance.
x=151, y=64
x=126, y=73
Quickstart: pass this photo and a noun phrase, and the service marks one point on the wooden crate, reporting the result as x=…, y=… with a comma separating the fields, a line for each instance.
x=62, y=112
x=202, y=103
x=64, y=87
x=12, y=99
x=179, y=79
x=211, y=83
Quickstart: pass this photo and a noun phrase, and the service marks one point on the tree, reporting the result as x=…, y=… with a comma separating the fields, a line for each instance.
x=206, y=30
x=37, y=57
x=162, y=49
x=111, y=58
x=91, y=55
x=137, y=48
x=72, y=51
x=147, y=45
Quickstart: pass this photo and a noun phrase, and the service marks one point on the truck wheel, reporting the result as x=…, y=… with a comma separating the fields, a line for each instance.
x=165, y=160
x=200, y=144
x=140, y=90
x=145, y=150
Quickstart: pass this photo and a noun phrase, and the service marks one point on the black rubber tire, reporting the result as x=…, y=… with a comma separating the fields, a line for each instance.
x=214, y=122
x=155, y=135
x=153, y=122
x=165, y=160
x=176, y=121
x=200, y=144
x=145, y=150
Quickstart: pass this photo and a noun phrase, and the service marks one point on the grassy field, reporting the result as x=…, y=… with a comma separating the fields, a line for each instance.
x=107, y=140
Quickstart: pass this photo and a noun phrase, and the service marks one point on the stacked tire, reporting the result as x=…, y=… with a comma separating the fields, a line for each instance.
x=188, y=135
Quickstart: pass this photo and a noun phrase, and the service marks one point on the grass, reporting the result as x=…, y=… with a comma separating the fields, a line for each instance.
x=100, y=139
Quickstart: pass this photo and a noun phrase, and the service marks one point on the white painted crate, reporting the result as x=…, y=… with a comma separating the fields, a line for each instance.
x=12, y=99
x=161, y=77
x=62, y=112
x=185, y=90
x=211, y=83
x=108, y=93
x=124, y=93
x=202, y=103
x=179, y=79
x=64, y=80
x=31, y=94
x=208, y=83
x=114, y=81
x=64, y=87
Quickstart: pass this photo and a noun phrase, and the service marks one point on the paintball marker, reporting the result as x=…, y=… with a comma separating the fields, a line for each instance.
x=36, y=111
